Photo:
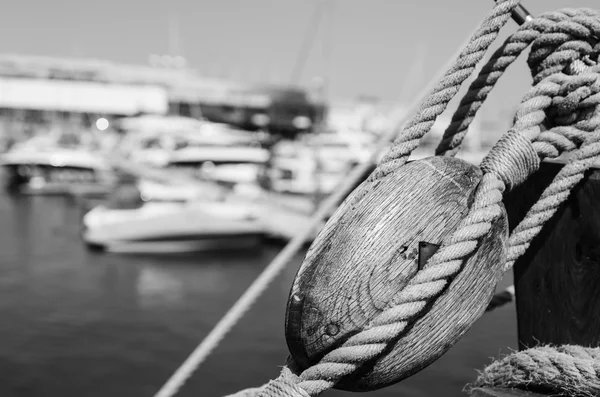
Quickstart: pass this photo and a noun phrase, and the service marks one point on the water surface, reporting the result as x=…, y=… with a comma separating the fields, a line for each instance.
x=79, y=323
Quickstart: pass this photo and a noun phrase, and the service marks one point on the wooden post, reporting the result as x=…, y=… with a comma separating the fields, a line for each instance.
x=557, y=281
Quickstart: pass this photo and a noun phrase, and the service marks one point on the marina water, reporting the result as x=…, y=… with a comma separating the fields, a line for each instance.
x=82, y=323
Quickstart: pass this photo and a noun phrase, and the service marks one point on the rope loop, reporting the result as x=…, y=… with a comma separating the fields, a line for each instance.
x=564, y=41
x=562, y=106
x=561, y=113
x=513, y=159
x=436, y=103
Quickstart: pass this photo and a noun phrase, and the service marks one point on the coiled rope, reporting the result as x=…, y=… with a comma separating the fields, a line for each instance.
x=565, y=97
x=566, y=370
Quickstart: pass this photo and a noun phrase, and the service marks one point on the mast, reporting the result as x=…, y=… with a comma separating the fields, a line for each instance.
x=322, y=96
x=174, y=36
x=174, y=48
x=308, y=41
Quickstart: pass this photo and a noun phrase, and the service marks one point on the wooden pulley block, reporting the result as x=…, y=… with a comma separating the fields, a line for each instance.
x=371, y=248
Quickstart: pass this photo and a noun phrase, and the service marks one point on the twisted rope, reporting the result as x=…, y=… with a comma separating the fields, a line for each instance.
x=566, y=93
x=554, y=195
x=446, y=89
x=286, y=385
x=558, y=39
x=563, y=96
x=508, y=164
x=566, y=370
x=563, y=29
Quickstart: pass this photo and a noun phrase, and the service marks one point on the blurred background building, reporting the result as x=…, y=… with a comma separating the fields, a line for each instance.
x=41, y=92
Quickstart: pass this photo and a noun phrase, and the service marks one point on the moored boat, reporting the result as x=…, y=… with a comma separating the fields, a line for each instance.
x=128, y=224
x=54, y=171
x=227, y=164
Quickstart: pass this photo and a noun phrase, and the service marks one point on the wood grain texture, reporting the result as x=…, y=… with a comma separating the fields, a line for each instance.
x=487, y=392
x=368, y=252
x=557, y=281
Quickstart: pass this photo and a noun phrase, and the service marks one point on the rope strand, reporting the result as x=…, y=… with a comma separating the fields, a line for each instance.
x=446, y=89
x=564, y=370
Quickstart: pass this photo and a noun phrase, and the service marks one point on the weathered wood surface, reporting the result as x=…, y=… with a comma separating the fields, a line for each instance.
x=485, y=392
x=558, y=280
x=368, y=252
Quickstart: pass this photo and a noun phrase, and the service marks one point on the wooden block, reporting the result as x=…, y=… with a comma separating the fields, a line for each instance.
x=487, y=392
x=369, y=251
x=558, y=279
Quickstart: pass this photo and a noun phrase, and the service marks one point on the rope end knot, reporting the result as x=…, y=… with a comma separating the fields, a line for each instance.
x=513, y=159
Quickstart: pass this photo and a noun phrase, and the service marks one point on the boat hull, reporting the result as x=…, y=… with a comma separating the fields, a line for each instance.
x=49, y=180
x=199, y=244
x=172, y=228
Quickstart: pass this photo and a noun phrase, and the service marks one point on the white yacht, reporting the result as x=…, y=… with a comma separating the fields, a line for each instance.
x=129, y=224
x=54, y=170
x=225, y=164
x=207, y=150
x=316, y=164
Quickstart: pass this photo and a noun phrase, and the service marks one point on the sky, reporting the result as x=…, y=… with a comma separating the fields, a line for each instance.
x=385, y=48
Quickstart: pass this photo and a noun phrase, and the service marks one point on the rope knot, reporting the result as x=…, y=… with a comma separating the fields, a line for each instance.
x=571, y=35
x=571, y=111
x=512, y=160
x=576, y=100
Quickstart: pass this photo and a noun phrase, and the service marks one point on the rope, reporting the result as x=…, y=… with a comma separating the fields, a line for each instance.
x=565, y=94
x=446, y=89
x=554, y=195
x=559, y=25
x=568, y=177
x=286, y=385
x=566, y=370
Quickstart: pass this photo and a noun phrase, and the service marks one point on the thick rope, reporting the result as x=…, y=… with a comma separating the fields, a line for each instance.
x=567, y=370
x=509, y=164
x=286, y=385
x=566, y=36
x=446, y=89
x=584, y=90
x=554, y=195
x=560, y=26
